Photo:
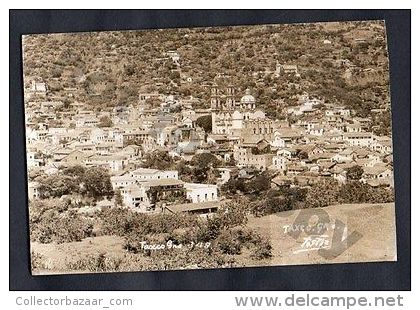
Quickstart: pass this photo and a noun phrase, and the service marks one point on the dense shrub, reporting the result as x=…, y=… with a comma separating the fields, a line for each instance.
x=275, y=201
x=321, y=194
x=95, y=263
x=52, y=221
x=91, y=182
x=357, y=192
x=262, y=249
x=224, y=231
x=228, y=243
x=234, y=212
x=158, y=160
x=232, y=241
x=176, y=259
x=121, y=222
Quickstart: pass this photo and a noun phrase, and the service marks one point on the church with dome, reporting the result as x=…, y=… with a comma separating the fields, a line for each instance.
x=229, y=115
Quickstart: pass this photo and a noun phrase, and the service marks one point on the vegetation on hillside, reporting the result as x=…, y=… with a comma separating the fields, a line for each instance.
x=108, y=69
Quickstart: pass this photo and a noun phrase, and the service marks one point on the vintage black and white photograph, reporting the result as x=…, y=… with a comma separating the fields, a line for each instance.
x=212, y=147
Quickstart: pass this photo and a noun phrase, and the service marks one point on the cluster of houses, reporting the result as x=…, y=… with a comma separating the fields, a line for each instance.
x=59, y=137
x=323, y=142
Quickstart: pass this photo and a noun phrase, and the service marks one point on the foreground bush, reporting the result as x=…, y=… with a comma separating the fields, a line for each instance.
x=122, y=222
x=232, y=242
x=159, y=260
x=262, y=249
x=321, y=194
x=228, y=243
x=52, y=221
x=224, y=231
x=95, y=263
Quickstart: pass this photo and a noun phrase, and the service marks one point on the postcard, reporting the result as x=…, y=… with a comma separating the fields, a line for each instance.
x=211, y=147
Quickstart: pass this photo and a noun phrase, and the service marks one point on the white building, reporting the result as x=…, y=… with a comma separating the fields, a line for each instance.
x=32, y=161
x=38, y=87
x=114, y=163
x=245, y=158
x=201, y=192
x=145, y=174
x=279, y=162
x=135, y=196
x=98, y=135
x=87, y=121
x=33, y=192
x=122, y=181
x=382, y=145
x=359, y=139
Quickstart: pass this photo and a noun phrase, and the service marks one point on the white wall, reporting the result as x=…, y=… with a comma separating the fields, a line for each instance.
x=201, y=192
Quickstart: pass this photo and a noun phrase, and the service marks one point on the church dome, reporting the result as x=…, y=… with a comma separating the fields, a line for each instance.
x=248, y=98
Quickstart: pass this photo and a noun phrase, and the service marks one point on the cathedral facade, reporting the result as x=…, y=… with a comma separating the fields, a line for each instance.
x=229, y=116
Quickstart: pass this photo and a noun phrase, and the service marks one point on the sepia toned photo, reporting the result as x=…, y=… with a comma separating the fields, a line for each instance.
x=216, y=147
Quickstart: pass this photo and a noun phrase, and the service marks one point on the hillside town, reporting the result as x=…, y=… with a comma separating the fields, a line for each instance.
x=198, y=136
x=324, y=142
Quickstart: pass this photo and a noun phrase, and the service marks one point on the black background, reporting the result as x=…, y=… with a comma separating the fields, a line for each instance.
x=363, y=276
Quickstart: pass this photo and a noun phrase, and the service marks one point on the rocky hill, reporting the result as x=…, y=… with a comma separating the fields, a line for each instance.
x=344, y=63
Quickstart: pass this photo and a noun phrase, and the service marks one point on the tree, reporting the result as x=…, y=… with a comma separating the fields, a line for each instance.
x=175, y=76
x=184, y=171
x=354, y=173
x=322, y=194
x=97, y=183
x=233, y=185
x=158, y=160
x=205, y=160
x=205, y=122
x=75, y=171
x=354, y=192
x=51, y=220
x=56, y=185
x=228, y=244
x=129, y=70
x=259, y=184
x=56, y=72
x=234, y=212
x=294, y=197
x=203, y=168
x=199, y=174
x=358, y=192
x=269, y=204
x=153, y=102
x=105, y=121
